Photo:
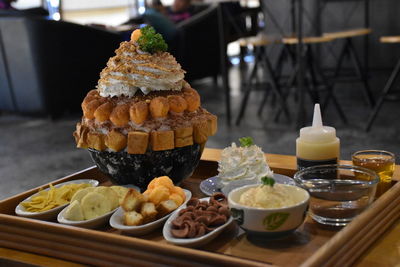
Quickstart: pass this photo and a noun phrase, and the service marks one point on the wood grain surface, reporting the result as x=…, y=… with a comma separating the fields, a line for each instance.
x=43, y=243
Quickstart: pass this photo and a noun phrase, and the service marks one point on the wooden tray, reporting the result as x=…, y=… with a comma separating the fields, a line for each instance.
x=310, y=245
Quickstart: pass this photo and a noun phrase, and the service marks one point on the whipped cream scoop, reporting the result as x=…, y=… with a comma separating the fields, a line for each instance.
x=246, y=164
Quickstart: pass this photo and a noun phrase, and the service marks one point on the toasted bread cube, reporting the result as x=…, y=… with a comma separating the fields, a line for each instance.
x=159, y=194
x=184, y=137
x=213, y=124
x=80, y=136
x=148, y=211
x=166, y=207
x=115, y=140
x=201, y=131
x=133, y=200
x=162, y=140
x=133, y=218
x=137, y=142
x=96, y=141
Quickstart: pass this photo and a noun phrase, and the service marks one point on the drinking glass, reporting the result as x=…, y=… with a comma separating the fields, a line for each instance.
x=380, y=161
x=338, y=192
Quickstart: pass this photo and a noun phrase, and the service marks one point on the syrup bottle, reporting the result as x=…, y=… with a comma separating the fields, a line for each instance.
x=317, y=144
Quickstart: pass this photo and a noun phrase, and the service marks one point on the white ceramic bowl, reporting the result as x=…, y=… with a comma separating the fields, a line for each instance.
x=191, y=242
x=116, y=221
x=91, y=224
x=49, y=214
x=269, y=222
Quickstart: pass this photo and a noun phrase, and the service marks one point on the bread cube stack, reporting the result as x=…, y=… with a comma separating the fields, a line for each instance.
x=160, y=199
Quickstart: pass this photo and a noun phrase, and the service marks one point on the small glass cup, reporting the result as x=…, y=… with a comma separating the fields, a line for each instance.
x=380, y=161
x=338, y=192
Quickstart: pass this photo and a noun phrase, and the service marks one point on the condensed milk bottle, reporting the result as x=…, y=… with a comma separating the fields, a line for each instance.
x=317, y=144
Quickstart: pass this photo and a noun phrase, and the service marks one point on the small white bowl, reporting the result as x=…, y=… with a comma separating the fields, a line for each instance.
x=91, y=224
x=192, y=242
x=269, y=222
x=49, y=214
x=116, y=221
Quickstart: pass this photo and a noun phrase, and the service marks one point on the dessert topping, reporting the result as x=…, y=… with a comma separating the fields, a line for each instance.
x=246, y=162
x=201, y=217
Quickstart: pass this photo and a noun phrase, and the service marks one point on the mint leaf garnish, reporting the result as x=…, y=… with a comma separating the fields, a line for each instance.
x=246, y=141
x=268, y=181
x=151, y=41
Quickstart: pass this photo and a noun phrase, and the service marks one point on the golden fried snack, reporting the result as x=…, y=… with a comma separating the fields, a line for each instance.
x=159, y=194
x=139, y=112
x=162, y=140
x=91, y=95
x=80, y=135
x=136, y=35
x=177, y=103
x=94, y=93
x=90, y=107
x=201, y=131
x=177, y=198
x=213, y=124
x=133, y=218
x=133, y=200
x=192, y=98
x=120, y=115
x=166, y=207
x=137, y=142
x=103, y=112
x=115, y=140
x=160, y=181
x=96, y=141
x=183, y=137
x=159, y=107
x=148, y=211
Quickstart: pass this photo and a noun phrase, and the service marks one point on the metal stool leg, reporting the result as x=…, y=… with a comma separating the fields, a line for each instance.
x=249, y=87
x=264, y=100
x=338, y=67
x=275, y=86
x=329, y=89
x=386, y=90
x=360, y=73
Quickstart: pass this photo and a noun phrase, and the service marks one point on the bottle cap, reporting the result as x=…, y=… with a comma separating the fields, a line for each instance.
x=318, y=133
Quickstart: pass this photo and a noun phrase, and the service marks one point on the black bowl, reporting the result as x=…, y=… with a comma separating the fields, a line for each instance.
x=123, y=168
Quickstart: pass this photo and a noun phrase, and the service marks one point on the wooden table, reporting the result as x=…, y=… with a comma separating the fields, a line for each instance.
x=384, y=252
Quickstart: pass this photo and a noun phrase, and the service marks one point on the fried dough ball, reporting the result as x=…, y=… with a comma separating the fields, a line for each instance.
x=90, y=107
x=120, y=115
x=161, y=181
x=103, y=112
x=192, y=98
x=177, y=103
x=159, y=107
x=158, y=194
x=91, y=95
x=139, y=112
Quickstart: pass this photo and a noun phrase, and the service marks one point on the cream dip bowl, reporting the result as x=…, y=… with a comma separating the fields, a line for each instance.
x=269, y=222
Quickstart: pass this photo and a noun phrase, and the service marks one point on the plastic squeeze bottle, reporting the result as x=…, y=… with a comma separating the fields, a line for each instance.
x=317, y=144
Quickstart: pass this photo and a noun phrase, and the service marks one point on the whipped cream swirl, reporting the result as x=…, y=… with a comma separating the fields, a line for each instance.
x=131, y=70
x=245, y=164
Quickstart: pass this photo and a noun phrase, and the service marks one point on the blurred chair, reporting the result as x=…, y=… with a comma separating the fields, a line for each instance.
x=349, y=51
x=314, y=76
x=386, y=94
x=196, y=47
x=49, y=66
x=261, y=59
